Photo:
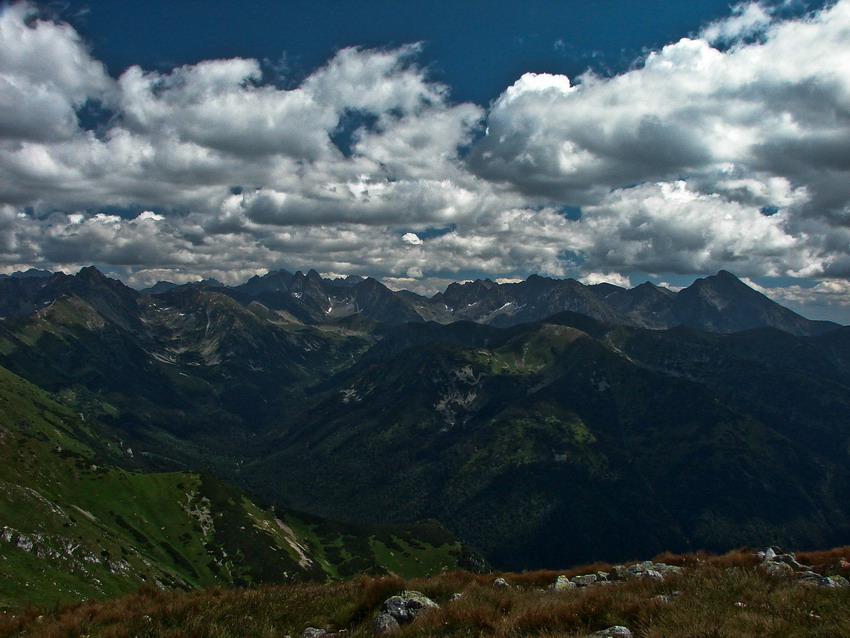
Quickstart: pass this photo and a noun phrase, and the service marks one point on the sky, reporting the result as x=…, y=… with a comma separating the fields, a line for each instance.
x=424, y=143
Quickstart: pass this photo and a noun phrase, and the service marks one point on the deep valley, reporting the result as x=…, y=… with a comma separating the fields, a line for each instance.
x=298, y=428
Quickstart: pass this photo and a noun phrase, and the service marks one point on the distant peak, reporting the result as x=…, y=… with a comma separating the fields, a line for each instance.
x=31, y=273
x=723, y=277
x=725, y=274
x=90, y=272
x=280, y=272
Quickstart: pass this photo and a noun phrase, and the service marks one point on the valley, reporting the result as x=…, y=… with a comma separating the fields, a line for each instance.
x=211, y=435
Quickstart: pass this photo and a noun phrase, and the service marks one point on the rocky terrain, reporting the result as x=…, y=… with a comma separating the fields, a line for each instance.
x=736, y=595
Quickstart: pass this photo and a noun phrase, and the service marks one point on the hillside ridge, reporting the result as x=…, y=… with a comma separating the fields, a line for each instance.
x=718, y=303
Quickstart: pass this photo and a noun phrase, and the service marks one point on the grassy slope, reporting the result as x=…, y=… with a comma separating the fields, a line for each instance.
x=187, y=380
x=724, y=596
x=71, y=528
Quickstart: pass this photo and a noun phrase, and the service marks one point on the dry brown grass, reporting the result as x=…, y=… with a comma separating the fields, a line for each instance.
x=831, y=562
x=718, y=597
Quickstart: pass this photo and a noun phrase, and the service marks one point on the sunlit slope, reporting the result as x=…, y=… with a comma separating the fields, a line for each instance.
x=71, y=528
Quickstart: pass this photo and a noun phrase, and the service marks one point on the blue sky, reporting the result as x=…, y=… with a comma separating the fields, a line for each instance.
x=423, y=143
x=477, y=48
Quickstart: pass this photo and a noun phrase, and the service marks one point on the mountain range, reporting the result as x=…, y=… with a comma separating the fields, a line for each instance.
x=543, y=422
x=721, y=303
x=572, y=439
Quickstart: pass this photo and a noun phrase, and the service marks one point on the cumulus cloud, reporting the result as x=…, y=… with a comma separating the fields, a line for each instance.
x=216, y=105
x=828, y=299
x=617, y=279
x=728, y=149
x=46, y=74
x=748, y=19
x=667, y=227
x=774, y=108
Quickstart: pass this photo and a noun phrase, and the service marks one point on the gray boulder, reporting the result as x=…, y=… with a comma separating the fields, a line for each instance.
x=617, y=631
x=651, y=574
x=401, y=609
x=637, y=568
x=646, y=569
x=584, y=580
x=385, y=624
x=777, y=568
x=833, y=582
x=808, y=575
x=619, y=572
x=666, y=569
x=562, y=583
x=791, y=560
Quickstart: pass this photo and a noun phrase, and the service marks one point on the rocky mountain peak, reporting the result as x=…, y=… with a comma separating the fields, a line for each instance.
x=91, y=273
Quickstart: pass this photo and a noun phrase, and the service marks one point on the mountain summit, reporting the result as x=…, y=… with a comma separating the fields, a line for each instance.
x=718, y=303
x=724, y=303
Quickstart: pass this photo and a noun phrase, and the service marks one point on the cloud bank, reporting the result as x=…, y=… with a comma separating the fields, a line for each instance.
x=729, y=149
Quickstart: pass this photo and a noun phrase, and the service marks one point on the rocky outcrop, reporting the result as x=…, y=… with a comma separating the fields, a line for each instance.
x=401, y=609
x=619, y=573
x=781, y=564
x=562, y=583
x=778, y=563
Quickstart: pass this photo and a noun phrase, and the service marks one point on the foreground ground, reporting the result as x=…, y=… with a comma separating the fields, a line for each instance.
x=726, y=596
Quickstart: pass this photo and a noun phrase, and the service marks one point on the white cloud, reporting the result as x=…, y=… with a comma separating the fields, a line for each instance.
x=828, y=299
x=375, y=81
x=46, y=73
x=617, y=279
x=509, y=280
x=215, y=104
x=666, y=227
x=698, y=159
x=149, y=215
x=422, y=145
x=773, y=108
x=748, y=19
x=830, y=292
